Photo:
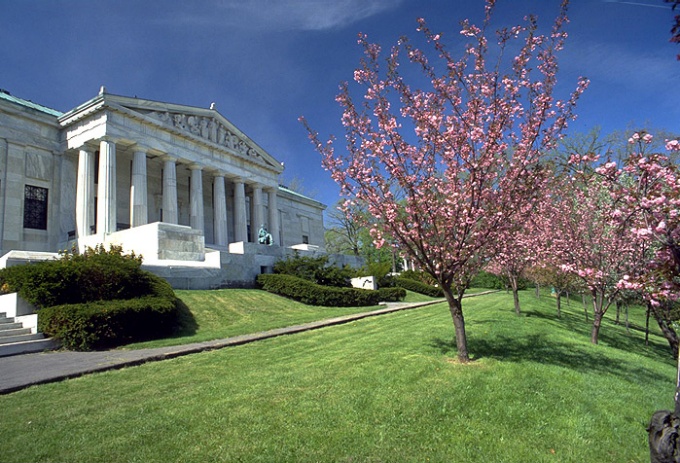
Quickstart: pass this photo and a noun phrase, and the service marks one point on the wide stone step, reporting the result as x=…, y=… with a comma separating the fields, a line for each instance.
x=27, y=347
x=6, y=333
x=4, y=319
x=10, y=326
x=21, y=338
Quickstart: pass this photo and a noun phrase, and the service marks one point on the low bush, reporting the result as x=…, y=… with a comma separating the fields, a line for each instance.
x=419, y=287
x=316, y=270
x=392, y=294
x=487, y=280
x=310, y=293
x=106, y=324
x=419, y=275
x=98, y=299
x=95, y=275
x=491, y=281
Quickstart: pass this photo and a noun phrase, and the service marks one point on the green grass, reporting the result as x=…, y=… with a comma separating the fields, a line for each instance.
x=224, y=313
x=383, y=389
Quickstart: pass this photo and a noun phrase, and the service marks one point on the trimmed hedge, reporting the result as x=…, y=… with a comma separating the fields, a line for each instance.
x=106, y=324
x=392, y=294
x=95, y=275
x=98, y=299
x=418, y=287
x=310, y=293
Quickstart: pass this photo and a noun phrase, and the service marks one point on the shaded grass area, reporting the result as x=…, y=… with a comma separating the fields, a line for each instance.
x=385, y=389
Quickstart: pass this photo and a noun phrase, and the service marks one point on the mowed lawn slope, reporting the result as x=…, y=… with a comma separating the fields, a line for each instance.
x=383, y=389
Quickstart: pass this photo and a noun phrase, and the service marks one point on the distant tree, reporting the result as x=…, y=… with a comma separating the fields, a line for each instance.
x=514, y=255
x=586, y=239
x=444, y=170
x=349, y=233
x=344, y=227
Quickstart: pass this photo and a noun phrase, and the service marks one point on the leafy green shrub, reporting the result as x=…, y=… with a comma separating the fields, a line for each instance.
x=418, y=275
x=98, y=299
x=315, y=269
x=381, y=272
x=491, y=281
x=104, y=324
x=95, y=275
x=419, y=287
x=313, y=294
x=392, y=294
x=487, y=280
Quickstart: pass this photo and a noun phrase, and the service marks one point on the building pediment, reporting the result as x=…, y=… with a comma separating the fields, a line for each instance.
x=205, y=125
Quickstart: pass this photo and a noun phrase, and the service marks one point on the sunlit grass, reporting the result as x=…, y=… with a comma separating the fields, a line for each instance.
x=379, y=389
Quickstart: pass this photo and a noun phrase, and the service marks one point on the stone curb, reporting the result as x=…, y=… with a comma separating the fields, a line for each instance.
x=22, y=371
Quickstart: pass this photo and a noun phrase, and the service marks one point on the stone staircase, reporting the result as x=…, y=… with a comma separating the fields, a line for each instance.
x=15, y=339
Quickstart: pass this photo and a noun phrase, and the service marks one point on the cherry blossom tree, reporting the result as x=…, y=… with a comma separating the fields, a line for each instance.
x=516, y=253
x=444, y=170
x=587, y=239
x=647, y=190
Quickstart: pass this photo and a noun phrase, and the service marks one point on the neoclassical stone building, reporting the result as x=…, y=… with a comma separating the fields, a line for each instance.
x=180, y=185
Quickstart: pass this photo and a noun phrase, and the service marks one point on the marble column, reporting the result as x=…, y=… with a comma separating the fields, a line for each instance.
x=84, y=192
x=106, y=188
x=220, y=210
x=139, y=207
x=256, y=215
x=196, y=200
x=274, y=227
x=170, y=213
x=240, y=225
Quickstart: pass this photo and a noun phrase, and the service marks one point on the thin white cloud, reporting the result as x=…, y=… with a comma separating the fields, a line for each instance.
x=651, y=5
x=307, y=14
x=282, y=15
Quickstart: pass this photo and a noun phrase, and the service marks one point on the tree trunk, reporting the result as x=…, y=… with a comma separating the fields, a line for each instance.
x=618, y=312
x=456, y=310
x=600, y=306
x=538, y=291
x=585, y=306
x=597, y=321
x=559, y=304
x=515, y=293
x=647, y=327
x=627, y=320
x=667, y=330
x=568, y=299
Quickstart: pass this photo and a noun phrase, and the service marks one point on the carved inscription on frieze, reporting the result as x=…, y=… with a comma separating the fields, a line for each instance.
x=206, y=127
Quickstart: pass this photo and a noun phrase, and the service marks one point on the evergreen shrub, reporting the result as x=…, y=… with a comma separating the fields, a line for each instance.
x=311, y=293
x=98, y=299
x=316, y=270
x=419, y=287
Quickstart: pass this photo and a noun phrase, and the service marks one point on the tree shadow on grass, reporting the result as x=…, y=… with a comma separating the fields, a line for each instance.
x=611, y=335
x=540, y=349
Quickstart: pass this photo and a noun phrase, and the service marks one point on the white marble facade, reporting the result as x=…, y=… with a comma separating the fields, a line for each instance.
x=111, y=168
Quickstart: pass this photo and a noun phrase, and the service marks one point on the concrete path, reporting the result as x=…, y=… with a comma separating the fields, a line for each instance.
x=21, y=371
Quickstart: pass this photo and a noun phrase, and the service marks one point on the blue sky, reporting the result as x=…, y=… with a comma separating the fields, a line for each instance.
x=266, y=62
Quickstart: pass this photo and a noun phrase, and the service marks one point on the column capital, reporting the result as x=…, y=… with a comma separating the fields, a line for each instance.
x=168, y=158
x=194, y=166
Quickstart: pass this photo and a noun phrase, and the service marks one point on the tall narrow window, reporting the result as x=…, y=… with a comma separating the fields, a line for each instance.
x=35, y=207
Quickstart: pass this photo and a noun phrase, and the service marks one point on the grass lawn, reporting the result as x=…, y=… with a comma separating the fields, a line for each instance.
x=224, y=313
x=383, y=389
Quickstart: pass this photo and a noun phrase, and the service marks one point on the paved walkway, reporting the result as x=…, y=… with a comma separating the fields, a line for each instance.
x=21, y=371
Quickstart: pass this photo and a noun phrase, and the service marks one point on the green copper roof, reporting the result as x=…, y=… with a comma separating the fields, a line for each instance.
x=4, y=95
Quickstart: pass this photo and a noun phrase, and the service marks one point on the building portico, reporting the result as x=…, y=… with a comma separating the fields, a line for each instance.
x=192, y=169
x=173, y=183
